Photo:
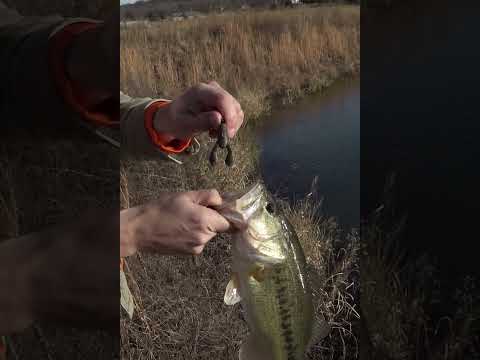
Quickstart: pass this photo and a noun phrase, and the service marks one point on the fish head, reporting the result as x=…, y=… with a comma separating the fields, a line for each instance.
x=254, y=213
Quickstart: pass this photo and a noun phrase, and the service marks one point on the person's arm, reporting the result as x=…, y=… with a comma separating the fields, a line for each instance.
x=135, y=116
x=43, y=66
x=67, y=275
x=149, y=125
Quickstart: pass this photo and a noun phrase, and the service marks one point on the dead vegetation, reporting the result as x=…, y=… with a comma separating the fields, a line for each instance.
x=48, y=182
x=399, y=293
x=181, y=314
x=258, y=56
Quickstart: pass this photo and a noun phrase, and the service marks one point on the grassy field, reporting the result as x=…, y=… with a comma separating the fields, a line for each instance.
x=258, y=56
x=264, y=58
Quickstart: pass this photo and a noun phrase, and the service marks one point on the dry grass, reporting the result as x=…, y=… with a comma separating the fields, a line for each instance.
x=332, y=258
x=181, y=314
x=398, y=293
x=46, y=182
x=258, y=56
x=261, y=57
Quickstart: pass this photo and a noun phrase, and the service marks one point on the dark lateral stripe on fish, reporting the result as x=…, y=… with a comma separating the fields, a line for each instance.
x=285, y=316
x=282, y=301
x=290, y=348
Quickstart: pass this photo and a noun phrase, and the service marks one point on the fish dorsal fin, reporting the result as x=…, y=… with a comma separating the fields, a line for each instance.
x=232, y=294
x=253, y=349
x=321, y=328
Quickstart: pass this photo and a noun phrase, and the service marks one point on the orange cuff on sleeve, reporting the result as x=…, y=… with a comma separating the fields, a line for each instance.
x=162, y=141
x=107, y=113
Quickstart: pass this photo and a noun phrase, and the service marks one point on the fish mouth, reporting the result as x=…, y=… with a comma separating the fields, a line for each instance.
x=252, y=198
x=242, y=210
x=237, y=208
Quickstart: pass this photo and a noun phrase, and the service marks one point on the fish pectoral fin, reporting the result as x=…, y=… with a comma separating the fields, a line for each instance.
x=253, y=349
x=232, y=294
x=126, y=297
x=321, y=328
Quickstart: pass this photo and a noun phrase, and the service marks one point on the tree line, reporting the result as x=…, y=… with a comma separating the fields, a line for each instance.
x=161, y=9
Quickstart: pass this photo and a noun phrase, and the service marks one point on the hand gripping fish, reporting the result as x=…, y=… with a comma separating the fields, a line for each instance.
x=269, y=278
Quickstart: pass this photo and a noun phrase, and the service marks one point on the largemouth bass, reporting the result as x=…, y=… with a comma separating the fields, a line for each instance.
x=269, y=278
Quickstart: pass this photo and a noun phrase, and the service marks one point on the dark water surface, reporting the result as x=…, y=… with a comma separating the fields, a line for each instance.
x=420, y=100
x=418, y=119
x=319, y=137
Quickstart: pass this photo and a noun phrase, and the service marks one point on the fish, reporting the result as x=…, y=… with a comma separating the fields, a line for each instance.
x=269, y=279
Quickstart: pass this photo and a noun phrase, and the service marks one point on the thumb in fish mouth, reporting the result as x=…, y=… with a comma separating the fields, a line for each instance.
x=234, y=217
x=236, y=220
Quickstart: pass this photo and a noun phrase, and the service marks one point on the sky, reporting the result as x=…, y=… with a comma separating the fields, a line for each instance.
x=123, y=2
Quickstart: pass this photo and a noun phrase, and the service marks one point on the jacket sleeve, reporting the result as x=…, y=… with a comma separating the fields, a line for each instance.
x=36, y=90
x=29, y=91
x=138, y=135
x=135, y=140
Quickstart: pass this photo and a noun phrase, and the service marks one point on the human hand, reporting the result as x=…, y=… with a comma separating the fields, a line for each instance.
x=66, y=275
x=201, y=108
x=176, y=223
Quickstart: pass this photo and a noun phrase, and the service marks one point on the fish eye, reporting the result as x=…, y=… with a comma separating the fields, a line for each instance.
x=270, y=208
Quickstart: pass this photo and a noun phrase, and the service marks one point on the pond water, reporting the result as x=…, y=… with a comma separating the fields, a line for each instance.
x=420, y=119
x=317, y=138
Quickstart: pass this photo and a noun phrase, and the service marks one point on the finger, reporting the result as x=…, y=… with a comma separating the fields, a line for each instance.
x=217, y=223
x=218, y=98
x=214, y=83
x=207, y=197
x=209, y=120
x=238, y=123
x=196, y=250
x=236, y=120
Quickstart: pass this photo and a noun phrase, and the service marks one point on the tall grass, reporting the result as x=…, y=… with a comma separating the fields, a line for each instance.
x=43, y=183
x=398, y=292
x=258, y=56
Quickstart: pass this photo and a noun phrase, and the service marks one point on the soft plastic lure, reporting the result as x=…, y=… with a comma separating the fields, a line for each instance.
x=222, y=143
